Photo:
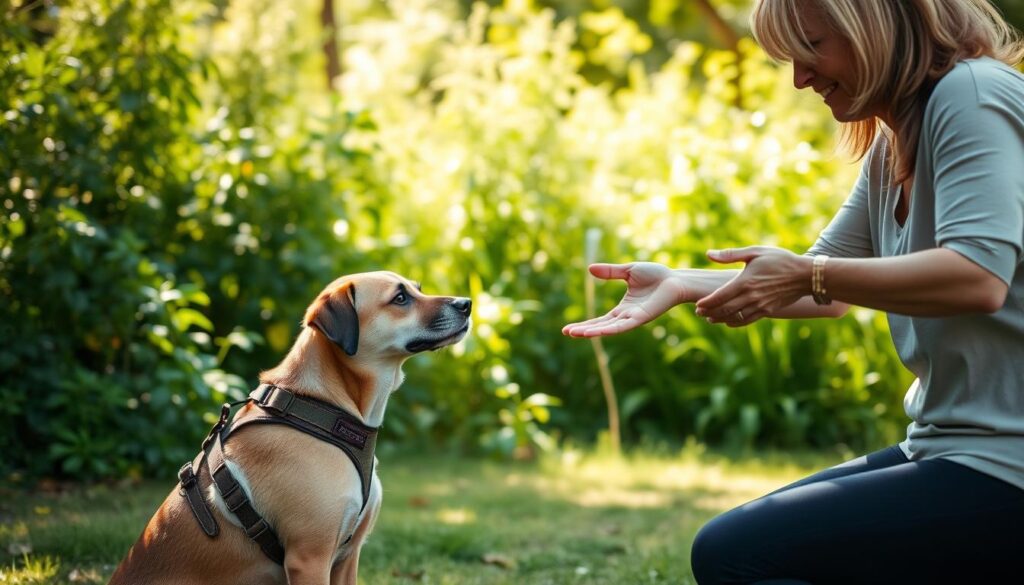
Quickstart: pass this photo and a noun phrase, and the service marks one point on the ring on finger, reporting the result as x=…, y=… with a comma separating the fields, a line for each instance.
x=739, y=313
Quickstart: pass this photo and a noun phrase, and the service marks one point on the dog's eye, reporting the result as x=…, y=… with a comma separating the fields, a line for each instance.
x=400, y=299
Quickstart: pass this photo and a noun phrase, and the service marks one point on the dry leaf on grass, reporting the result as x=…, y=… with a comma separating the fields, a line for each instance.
x=498, y=560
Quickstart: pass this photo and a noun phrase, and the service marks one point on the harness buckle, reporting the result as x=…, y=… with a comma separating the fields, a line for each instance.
x=267, y=390
x=267, y=400
x=225, y=414
x=186, y=475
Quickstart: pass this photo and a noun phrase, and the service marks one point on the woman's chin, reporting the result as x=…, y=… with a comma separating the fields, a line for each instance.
x=841, y=112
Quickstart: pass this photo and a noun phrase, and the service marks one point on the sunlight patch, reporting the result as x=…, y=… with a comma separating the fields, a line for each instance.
x=456, y=516
x=623, y=498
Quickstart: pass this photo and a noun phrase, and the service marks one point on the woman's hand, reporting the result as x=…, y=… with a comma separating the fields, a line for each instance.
x=772, y=279
x=652, y=290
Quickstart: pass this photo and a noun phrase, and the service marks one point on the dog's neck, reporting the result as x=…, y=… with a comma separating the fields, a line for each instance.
x=317, y=368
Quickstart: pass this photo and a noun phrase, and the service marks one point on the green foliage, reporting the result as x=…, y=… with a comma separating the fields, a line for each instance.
x=32, y=571
x=1013, y=11
x=137, y=235
x=177, y=184
x=104, y=355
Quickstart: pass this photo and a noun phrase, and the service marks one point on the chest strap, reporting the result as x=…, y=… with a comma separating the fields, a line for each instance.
x=274, y=405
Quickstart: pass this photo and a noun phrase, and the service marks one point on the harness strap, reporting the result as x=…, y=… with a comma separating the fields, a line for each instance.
x=326, y=418
x=256, y=528
x=321, y=420
x=189, y=481
x=190, y=490
x=275, y=406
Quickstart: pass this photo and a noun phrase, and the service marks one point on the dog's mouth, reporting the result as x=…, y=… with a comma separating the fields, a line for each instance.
x=426, y=343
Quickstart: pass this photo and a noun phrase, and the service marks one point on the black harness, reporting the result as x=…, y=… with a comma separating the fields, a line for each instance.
x=274, y=405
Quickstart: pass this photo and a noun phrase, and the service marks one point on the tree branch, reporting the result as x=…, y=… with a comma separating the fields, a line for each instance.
x=721, y=28
x=330, y=46
x=728, y=37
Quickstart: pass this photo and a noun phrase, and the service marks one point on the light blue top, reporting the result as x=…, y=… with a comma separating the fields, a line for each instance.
x=967, y=404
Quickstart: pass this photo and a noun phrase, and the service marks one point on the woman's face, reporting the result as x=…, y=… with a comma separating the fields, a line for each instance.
x=831, y=75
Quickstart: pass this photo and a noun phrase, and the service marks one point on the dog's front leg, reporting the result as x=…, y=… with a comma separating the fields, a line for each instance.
x=308, y=565
x=347, y=570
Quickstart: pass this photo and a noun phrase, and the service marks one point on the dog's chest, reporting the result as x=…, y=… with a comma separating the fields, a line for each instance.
x=357, y=523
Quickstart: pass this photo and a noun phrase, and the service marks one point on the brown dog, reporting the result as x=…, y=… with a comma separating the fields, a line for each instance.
x=357, y=334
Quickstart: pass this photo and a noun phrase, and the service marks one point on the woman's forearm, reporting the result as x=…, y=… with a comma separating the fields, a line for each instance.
x=931, y=283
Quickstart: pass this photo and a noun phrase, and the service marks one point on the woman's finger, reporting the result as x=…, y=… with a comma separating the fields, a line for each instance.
x=710, y=305
x=744, y=317
x=610, y=328
x=730, y=311
x=590, y=322
x=609, y=271
x=593, y=329
x=609, y=317
x=731, y=255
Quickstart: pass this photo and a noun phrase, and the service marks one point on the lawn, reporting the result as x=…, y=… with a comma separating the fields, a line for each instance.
x=572, y=518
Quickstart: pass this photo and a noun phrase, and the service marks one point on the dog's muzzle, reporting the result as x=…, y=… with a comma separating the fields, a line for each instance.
x=449, y=327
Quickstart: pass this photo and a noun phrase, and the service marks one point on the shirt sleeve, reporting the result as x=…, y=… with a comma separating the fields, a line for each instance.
x=848, y=235
x=974, y=128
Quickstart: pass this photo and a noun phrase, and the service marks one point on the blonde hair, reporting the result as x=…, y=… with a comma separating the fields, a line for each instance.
x=900, y=50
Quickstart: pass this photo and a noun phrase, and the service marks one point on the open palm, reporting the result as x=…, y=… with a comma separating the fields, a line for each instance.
x=652, y=290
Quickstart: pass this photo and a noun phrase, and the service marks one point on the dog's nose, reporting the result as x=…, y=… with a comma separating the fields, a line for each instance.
x=463, y=306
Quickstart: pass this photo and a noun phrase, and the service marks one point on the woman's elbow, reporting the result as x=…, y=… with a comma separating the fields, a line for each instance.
x=990, y=296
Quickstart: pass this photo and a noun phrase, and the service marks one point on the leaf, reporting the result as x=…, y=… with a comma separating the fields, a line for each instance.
x=240, y=340
x=540, y=399
x=186, y=318
x=67, y=75
x=72, y=464
x=540, y=414
x=130, y=101
x=750, y=420
x=633, y=402
x=194, y=294
x=35, y=62
x=498, y=560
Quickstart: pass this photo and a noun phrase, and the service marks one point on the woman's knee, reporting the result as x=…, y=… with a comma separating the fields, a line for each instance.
x=712, y=547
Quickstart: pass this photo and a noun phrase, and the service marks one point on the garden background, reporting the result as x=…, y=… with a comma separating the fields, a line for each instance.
x=178, y=179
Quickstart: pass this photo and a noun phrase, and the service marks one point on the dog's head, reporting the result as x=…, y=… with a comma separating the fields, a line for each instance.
x=386, y=315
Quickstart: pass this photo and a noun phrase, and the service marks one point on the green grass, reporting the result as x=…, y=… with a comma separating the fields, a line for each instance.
x=574, y=518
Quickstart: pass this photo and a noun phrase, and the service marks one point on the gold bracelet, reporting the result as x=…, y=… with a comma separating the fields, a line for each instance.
x=818, y=291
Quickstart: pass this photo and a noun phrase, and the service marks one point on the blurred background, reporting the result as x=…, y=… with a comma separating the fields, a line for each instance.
x=178, y=179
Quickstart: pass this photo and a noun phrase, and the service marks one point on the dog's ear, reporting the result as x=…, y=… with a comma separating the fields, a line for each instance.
x=335, y=316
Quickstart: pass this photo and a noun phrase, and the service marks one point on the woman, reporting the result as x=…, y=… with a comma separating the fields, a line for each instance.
x=933, y=234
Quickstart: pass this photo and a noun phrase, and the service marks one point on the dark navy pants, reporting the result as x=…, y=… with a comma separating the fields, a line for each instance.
x=874, y=520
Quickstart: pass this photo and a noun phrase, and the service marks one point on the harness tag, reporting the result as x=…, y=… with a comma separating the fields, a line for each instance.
x=348, y=434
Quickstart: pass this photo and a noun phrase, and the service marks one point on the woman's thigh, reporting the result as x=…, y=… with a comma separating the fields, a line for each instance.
x=879, y=459
x=879, y=519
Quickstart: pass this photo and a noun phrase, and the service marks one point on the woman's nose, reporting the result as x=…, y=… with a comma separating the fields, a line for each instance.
x=803, y=76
